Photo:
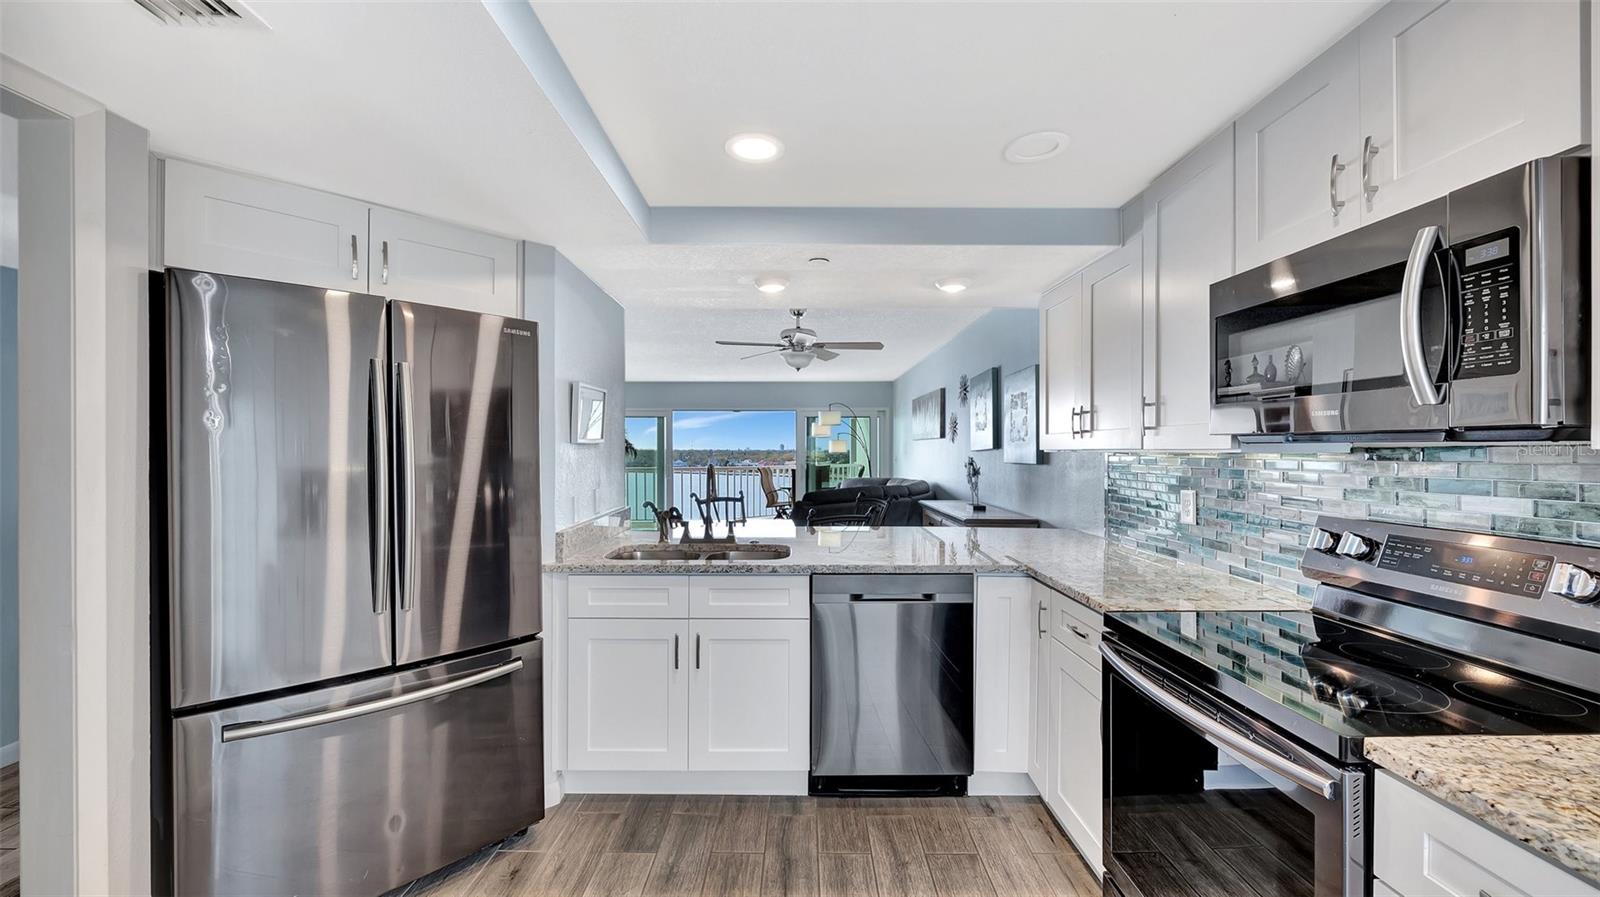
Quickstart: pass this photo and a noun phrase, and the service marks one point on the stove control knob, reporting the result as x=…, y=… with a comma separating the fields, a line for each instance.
x=1321, y=540
x=1572, y=581
x=1357, y=547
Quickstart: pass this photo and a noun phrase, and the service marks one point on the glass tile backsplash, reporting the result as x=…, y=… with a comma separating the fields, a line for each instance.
x=1256, y=507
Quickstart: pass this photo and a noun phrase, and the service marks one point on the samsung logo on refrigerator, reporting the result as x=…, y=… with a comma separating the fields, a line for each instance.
x=516, y=332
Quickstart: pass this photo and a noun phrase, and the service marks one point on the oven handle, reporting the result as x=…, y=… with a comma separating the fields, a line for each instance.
x=1312, y=779
x=1412, y=352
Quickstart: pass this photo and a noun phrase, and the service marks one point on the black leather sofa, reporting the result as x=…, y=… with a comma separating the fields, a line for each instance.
x=903, y=495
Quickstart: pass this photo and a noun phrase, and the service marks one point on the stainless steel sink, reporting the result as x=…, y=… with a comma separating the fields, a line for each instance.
x=664, y=553
x=748, y=553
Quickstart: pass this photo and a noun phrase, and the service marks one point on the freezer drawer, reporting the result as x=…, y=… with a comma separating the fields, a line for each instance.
x=322, y=794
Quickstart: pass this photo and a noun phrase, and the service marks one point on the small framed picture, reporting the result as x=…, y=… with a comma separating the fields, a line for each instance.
x=588, y=414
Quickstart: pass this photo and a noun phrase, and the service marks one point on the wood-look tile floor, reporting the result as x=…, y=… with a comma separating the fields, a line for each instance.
x=604, y=845
x=10, y=833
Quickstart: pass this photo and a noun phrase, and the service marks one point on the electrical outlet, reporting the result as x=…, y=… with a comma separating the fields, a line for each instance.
x=1186, y=506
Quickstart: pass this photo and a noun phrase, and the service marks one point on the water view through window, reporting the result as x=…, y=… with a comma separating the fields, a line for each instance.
x=753, y=451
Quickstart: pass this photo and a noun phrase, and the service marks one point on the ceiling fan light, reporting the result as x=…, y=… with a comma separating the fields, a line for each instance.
x=796, y=360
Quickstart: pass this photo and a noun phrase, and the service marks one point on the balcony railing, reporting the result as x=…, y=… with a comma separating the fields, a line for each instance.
x=642, y=482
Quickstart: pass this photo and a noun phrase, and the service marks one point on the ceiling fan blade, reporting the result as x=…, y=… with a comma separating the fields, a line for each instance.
x=830, y=344
x=823, y=354
x=730, y=342
x=759, y=354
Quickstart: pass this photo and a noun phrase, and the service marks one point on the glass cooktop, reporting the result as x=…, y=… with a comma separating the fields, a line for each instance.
x=1321, y=677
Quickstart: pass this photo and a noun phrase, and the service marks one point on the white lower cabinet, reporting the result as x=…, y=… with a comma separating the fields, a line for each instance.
x=1073, y=770
x=1005, y=622
x=627, y=694
x=749, y=695
x=687, y=693
x=1038, y=694
x=1424, y=848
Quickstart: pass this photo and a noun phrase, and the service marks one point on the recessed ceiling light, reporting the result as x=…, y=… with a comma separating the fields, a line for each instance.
x=818, y=260
x=1036, y=147
x=951, y=284
x=772, y=283
x=754, y=147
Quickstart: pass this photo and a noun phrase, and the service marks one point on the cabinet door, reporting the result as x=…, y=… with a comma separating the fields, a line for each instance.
x=1074, y=773
x=228, y=223
x=1004, y=618
x=1514, y=93
x=1039, y=692
x=627, y=694
x=1188, y=245
x=1113, y=297
x=1061, y=341
x=1287, y=183
x=749, y=695
x=428, y=261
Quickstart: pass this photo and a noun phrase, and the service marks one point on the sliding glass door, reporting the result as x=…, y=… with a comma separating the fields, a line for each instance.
x=645, y=460
x=839, y=447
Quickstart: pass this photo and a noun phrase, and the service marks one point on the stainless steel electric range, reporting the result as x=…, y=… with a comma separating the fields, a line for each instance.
x=1233, y=741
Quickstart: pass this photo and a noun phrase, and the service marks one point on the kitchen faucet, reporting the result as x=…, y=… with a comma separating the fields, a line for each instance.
x=665, y=521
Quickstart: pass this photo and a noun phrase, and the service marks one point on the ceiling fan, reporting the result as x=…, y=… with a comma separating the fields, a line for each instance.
x=799, y=345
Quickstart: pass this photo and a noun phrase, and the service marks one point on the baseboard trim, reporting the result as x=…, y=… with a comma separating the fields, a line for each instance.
x=552, y=791
x=1001, y=783
x=10, y=753
x=773, y=783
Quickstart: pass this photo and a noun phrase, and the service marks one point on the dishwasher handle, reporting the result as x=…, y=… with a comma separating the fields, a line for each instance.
x=864, y=596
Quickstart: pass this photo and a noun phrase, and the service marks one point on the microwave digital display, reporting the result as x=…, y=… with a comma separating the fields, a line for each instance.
x=1488, y=252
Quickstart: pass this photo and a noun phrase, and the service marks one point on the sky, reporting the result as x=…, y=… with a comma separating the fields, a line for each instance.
x=718, y=430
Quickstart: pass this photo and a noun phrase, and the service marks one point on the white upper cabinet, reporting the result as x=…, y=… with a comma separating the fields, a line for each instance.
x=1297, y=162
x=1188, y=245
x=423, y=260
x=1061, y=344
x=231, y=223
x=1113, y=296
x=1514, y=92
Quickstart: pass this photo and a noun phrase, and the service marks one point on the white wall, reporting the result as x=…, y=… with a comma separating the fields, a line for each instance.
x=1066, y=490
x=588, y=349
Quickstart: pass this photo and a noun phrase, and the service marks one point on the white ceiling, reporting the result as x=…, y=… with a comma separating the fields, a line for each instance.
x=675, y=344
x=721, y=277
x=420, y=105
x=911, y=103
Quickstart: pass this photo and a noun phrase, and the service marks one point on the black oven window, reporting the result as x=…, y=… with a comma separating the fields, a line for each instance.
x=1190, y=819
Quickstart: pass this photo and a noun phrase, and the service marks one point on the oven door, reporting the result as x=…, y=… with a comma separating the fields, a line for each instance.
x=1351, y=336
x=1203, y=799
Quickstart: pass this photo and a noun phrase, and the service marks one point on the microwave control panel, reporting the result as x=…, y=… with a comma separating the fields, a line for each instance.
x=1491, y=307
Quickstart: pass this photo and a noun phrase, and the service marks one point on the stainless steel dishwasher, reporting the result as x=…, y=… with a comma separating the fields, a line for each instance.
x=891, y=684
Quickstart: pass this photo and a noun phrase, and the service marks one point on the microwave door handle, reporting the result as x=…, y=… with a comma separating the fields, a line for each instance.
x=1311, y=779
x=1412, y=353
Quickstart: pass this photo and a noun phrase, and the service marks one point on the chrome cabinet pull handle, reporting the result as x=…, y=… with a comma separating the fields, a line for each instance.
x=1075, y=413
x=1149, y=404
x=1369, y=149
x=355, y=260
x=674, y=650
x=1078, y=632
x=241, y=731
x=378, y=483
x=1041, y=619
x=1334, y=169
x=697, y=650
x=1412, y=352
x=385, y=261
x=1087, y=417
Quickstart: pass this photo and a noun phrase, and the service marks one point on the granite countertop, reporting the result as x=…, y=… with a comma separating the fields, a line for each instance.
x=1102, y=576
x=1541, y=790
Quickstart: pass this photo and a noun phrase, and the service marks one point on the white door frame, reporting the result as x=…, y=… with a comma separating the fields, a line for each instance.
x=83, y=502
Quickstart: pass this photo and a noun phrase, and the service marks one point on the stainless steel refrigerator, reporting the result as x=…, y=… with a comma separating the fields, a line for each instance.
x=352, y=573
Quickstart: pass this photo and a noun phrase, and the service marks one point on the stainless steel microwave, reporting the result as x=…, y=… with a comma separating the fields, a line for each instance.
x=1462, y=319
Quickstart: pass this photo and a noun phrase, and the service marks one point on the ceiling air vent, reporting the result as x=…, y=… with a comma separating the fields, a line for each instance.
x=203, y=12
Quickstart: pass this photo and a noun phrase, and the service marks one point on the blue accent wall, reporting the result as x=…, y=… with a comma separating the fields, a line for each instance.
x=8, y=505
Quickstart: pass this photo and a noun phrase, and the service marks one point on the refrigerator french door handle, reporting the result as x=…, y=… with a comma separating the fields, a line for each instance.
x=1412, y=353
x=406, y=518
x=242, y=731
x=378, y=482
